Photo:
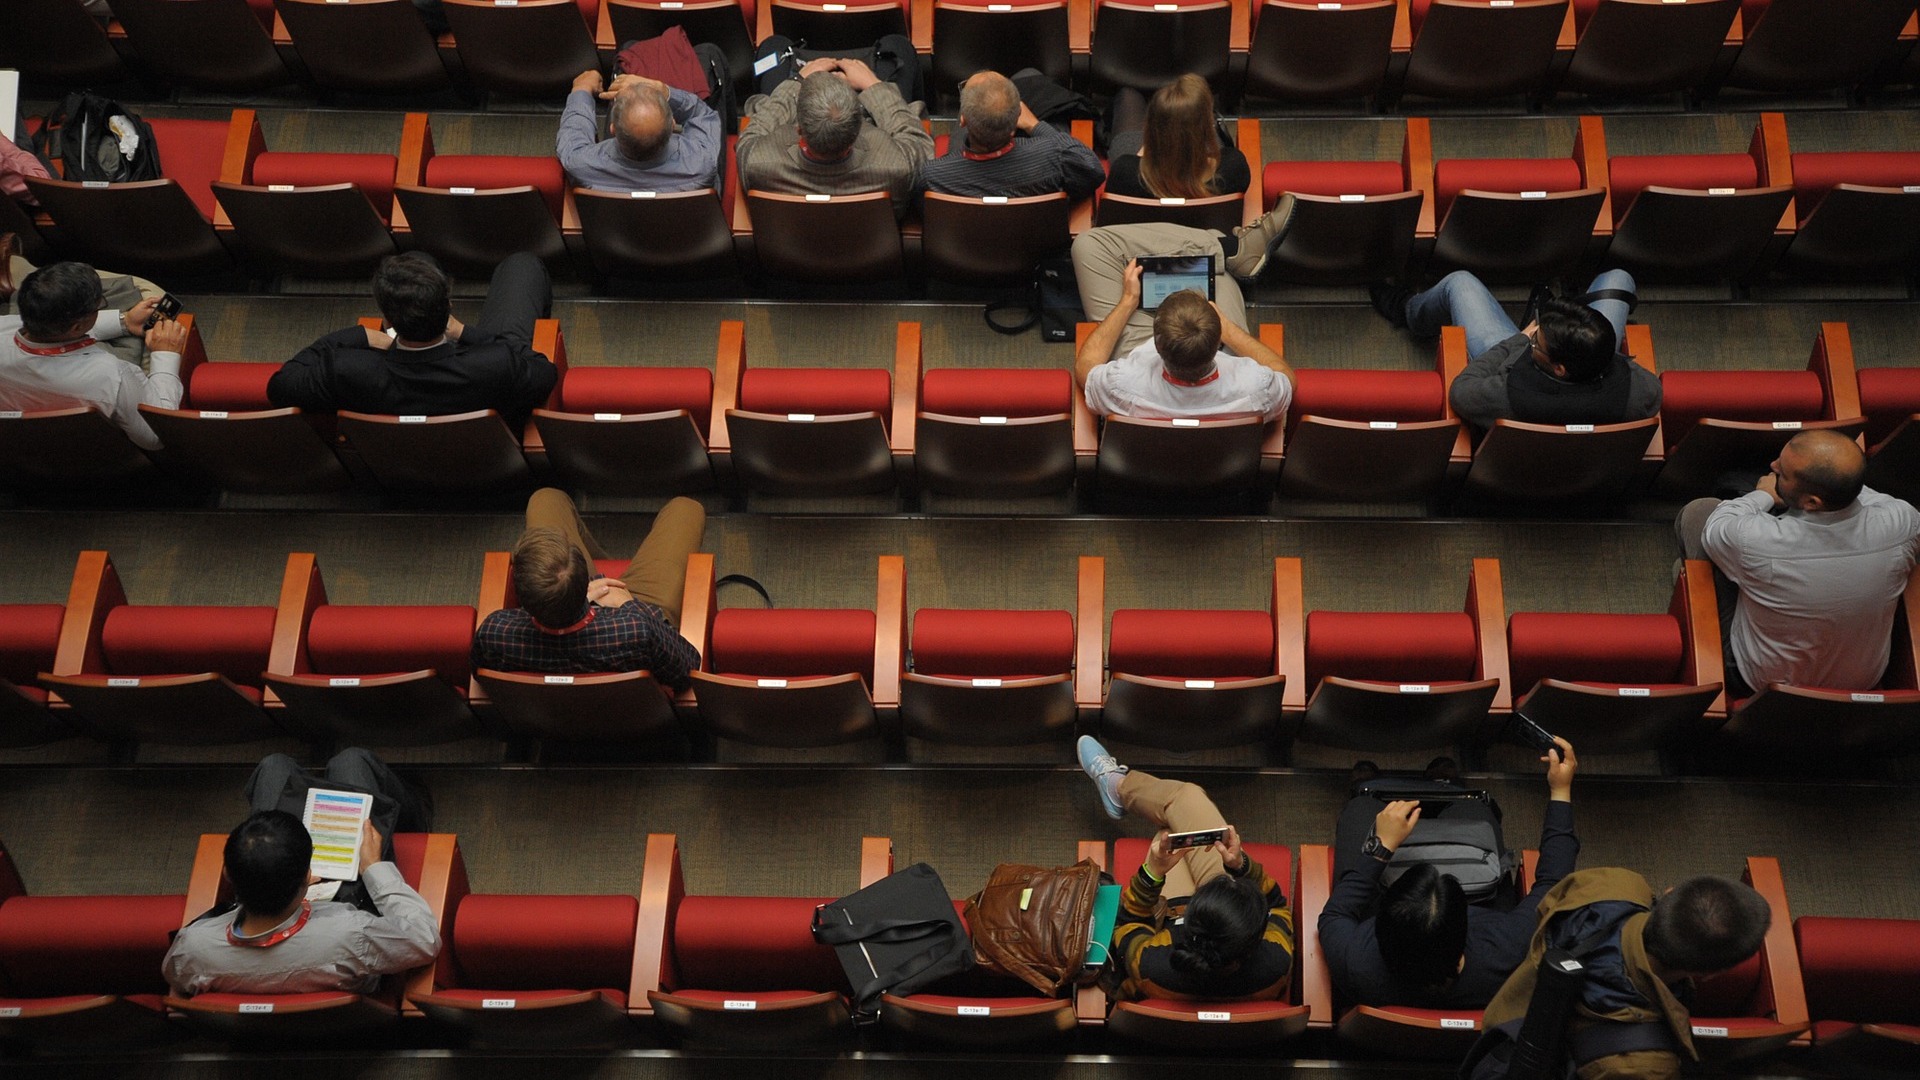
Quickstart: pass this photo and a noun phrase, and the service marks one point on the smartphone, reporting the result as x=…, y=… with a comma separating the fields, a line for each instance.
x=1527, y=733
x=1197, y=838
x=167, y=308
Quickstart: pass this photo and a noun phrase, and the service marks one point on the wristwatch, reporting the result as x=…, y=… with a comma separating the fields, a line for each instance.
x=1373, y=848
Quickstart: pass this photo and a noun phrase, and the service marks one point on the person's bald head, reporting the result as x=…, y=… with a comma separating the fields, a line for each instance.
x=990, y=109
x=1820, y=470
x=641, y=122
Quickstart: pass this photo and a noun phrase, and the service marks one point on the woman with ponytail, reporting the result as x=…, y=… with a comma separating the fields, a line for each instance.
x=1203, y=923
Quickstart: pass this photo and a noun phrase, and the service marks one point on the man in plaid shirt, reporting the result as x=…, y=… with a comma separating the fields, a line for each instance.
x=572, y=621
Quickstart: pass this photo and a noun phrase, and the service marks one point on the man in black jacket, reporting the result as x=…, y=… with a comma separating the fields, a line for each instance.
x=1418, y=942
x=431, y=364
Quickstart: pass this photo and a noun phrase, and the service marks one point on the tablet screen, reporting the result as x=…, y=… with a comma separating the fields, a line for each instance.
x=1163, y=275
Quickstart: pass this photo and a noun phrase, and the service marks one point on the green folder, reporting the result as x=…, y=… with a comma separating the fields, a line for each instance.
x=1106, y=911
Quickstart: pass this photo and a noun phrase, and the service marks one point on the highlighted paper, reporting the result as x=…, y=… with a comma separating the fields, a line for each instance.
x=335, y=819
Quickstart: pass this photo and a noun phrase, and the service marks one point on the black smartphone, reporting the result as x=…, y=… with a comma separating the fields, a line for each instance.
x=1527, y=733
x=167, y=308
x=1196, y=838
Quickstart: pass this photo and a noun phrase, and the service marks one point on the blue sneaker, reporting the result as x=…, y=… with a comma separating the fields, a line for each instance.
x=1106, y=773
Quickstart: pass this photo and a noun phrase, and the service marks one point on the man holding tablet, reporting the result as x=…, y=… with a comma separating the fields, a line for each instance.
x=1193, y=360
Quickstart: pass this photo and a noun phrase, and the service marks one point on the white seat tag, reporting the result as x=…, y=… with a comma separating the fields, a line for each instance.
x=1415, y=688
x=739, y=1005
x=993, y=419
x=413, y=419
x=1328, y=7
x=1384, y=425
x=1786, y=425
x=1867, y=699
x=498, y=1003
x=1173, y=201
x=1533, y=194
x=123, y=682
x=506, y=3
x=1199, y=684
x=1213, y=1017
x=9, y=1012
x=986, y=682
x=210, y=414
x=819, y=198
x=642, y=194
x=463, y=190
x=800, y=417
x=1704, y=1032
x=1353, y=198
x=771, y=684
x=256, y=1007
x=559, y=680
x=348, y=681
x=605, y=416
x=1721, y=190
x=1576, y=429
x=1636, y=691
x=672, y=5
x=993, y=200
x=279, y=187
x=11, y=414
x=973, y=1010
x=1911, y=189
x=1185, y=421
x=94, y=184
x=1457, y=1023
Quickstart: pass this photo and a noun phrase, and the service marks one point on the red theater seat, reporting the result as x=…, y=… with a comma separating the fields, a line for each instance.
x=82, y=973
x=1694, y=217
x=1890, y=399
x=992, y=678
x=1859, y=214
x=832, y=25
x=1863, y=989
x=229, y=433
x=633, y=430
x=977, y=35
x=1637, y=47
x=1352, y=222
x=364, y=46
x=1147, y=45
x=159, y=673
x=1515, y=219
x=471, y=211
x=59, y=42
x=382, y=675
x=1477, y=49
x=1798, y=45
x=317, y=214
x=29, y=638
x=990, y=431
x=804, y=431
x=207, y=44
x=797, y=676
x=532, y=48
x=1319, y=52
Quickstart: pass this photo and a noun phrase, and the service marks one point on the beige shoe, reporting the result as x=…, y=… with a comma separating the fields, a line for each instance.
x=1258, y=240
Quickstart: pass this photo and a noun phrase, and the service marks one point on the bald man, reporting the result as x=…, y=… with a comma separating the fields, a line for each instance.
x=1003, y=149
x=645, y=153
x=1810, y=566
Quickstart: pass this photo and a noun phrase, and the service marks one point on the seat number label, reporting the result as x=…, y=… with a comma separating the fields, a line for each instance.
x=1786, y=425
x=986, y=682
x=209, y=414
x=1214, y=1017
x=1636, y=691
x=256, y=1006
x=993, y=420
x=123, y=682
x=1457, y=1023
x=498, y=1003
x=1868, y=699
x=1533, y=194
x=1353, y=198
x=1415, y=688
x=1185, y=421
x=974, y=1010
x=739, y=1005
x=1384, y=425
x=559, y=680
x=412, y=419
x=343, y=682
x=9, y=1012
x=801, y=417
x=1199, y=684
x=606, y=416
x=279, y=187
x=771, y=684
x=1710, y=1032
x=1721, y=190
x=1578, y=428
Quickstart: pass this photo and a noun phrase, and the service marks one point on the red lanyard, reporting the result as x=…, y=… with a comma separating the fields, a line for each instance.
x=31, y=349
x=275, y=938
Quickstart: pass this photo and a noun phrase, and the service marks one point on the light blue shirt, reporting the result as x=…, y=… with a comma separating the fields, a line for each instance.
x=690, y=161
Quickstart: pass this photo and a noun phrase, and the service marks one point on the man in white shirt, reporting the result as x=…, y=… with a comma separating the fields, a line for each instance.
x=1198, y=363
x=1811, y=567
x=51, y=356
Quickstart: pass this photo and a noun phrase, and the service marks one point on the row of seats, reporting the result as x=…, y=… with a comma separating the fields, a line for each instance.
x=1289, y=50
x=1179, y=680
x=1351, y=436
x=659, y=964
x=228, y=200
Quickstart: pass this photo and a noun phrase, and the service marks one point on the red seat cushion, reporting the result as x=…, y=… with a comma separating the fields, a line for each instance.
x=1749, y=396
x=1862, y=971
x=543, y=942
x=230, y=387
x=1508, y=175
x=1332, y=178
x=1627, y=177
x=1192, y=644
x=1887, y=397
x=191, y=153
x=1407, y=396
x=638, y=390
x=792, y=642
x=820, y=391
x=29, y=634
x=168, y=640
x=373, y=172
x=486, y=171
x=996, y=392
x=1627, y=649
x=353, y=639
x=964, y=644
x=1391, y=646
x=1816, y=174
x=750, y=943
x=51, y=946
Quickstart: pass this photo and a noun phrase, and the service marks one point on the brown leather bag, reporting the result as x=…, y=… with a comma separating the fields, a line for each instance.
x=1044, y=943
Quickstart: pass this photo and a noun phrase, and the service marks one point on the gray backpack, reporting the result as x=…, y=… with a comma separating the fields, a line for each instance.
x=1459, y=837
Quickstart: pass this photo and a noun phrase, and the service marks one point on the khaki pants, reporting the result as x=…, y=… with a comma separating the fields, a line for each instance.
x=1176, y=806
x=658, y=572
x=1100, y=267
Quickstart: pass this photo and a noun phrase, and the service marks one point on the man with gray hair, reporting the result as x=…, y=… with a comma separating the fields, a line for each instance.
x=838, y=129
x=1006, y=150
x=645, y=152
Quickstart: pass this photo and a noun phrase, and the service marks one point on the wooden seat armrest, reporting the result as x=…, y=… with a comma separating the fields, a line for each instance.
x=1090, y=1002
x=920, y=24
x=1569, y=34
x=1089, y=631
x=1289, y=608
x=1782, y=956
x=903, y=431
x=1487, y=605
x=1698, y=609
x=1590, y=153
x=1247, y=132
x=95, y=591
x=416, y=149
x=1086, y=426
x=603, y=39
x=244, y=143
x=1416, y=165
x=1529, y=869
x=1080, y=26
x=1316, y=887
x=549, y=342
x=729, y=364
x=496, y=586
x=1450, y=359
x=203, y=881
x=1239, y=26
x=876, y=859
x=698, y=604
x=1772, y=158
x=301, y=591
x=443, y=875
x=890, y=631
x=1832, y=360
x=661, y=887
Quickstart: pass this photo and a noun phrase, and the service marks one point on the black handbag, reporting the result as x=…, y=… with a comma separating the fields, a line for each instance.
x=897, y=935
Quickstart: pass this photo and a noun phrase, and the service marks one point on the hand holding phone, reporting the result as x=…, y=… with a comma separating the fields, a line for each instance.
x=1199, y=838
x=166, y=307
x=1527, y=733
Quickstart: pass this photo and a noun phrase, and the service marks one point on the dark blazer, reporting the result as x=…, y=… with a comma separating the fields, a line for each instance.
x=340, y=371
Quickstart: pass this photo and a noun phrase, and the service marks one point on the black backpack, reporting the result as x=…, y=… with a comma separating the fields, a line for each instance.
x=79, y=134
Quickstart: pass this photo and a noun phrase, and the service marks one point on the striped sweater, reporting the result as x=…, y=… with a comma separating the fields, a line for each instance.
x=1144, y=945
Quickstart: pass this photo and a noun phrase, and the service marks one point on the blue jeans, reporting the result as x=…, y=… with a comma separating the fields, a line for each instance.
x=1459, y=299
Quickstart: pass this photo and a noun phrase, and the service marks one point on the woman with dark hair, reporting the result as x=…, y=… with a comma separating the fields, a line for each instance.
x=1171, y=147
x=1201, y=923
